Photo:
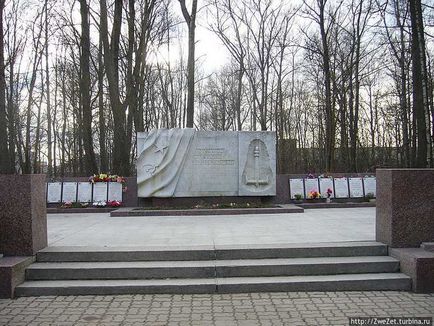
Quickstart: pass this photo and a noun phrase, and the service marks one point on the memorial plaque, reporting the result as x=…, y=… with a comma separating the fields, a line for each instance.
x=84, y=192
x=370, y=185
x=54, y=192
x=341, y=187
x=192, y=163
x=310, y=185
x=69, y=192
x=99, y=191
x=356, y=187
x=324, y=184
x=115, y=191
x=296, y=187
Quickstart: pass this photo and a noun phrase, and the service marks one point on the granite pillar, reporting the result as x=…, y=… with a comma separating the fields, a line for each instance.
x=405, y=207
x=23, y=214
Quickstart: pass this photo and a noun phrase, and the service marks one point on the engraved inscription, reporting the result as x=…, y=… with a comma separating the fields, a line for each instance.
x=212, y=156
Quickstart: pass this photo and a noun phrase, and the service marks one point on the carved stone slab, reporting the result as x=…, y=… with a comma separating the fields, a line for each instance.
x=356, y=187
x=324, y=185
x=296, y=186
x=310, y=185
x=69, y=192
x=54, y=192
x=115, y=191
x=341, y=187
x=84, y=192
x=370, y=185
x=190, y=163
x=99, y=191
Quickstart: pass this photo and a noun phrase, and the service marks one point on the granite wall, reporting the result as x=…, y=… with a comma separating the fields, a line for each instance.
x=23, y=214
x=405, y=207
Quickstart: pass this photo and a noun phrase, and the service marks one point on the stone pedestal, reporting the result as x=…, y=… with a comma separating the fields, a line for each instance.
x=405, y=207
x=23, y=214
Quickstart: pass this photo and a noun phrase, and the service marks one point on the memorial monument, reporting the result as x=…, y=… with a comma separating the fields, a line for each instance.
x=191, y=163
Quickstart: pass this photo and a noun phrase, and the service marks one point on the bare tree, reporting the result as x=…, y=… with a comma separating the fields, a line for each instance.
x=85, y=97
x=420, y=79
x=4, y=150
x=190, y=19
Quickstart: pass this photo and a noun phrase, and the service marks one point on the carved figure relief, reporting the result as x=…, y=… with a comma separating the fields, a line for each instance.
x=257, y=172
x=161, y=160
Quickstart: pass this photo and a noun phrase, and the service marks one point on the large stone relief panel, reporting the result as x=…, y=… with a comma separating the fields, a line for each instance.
x=189, y=163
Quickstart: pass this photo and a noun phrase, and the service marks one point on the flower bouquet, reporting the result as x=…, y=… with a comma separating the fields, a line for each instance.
x=114, y=203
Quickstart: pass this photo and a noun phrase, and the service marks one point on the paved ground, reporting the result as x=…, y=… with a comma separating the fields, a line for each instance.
x=315, y=225
x=315, y=308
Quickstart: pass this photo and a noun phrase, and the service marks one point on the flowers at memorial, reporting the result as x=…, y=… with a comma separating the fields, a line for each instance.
x=104, y=177
x=313, y=194
x=114, y=203
x=329, y=192
x=99, y=204
x=310, y=176
x=67, y=204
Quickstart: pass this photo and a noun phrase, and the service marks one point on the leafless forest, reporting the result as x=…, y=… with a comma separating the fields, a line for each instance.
x=347, y=85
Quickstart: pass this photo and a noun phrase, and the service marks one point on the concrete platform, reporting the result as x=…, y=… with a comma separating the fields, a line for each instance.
x=317, y=225
x=278, y=209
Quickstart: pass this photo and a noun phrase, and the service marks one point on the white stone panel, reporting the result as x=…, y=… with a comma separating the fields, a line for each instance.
x=69, y=192
x=341, y=187
x=296, y=186
x=370, y=185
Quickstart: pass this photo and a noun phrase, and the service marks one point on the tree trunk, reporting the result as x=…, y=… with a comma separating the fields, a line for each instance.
x=4, y=150
x=190, y=19
x=85, y=100
x=47, y=85
x=420, y=103
x=120, y=150
x=329, y=118
x=101, y=119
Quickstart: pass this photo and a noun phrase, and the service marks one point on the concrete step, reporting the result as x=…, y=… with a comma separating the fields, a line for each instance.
x=118, y=254
x=346, y=282
x=211, y=268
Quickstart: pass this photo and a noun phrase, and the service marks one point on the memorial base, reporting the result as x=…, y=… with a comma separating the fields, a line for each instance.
x=12, y=273
x=23, y=214
x=190, y=202
x=405, y=207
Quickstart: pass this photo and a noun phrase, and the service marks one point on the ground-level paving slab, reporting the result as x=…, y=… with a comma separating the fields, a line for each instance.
x=325, y=225
x=296, y=308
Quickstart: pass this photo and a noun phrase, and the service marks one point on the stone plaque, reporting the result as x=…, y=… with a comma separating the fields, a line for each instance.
x=356, y=187
x=341, y=187
x=99, y=191
x=296, y=187
x=370, y=185
x=310, y=185
x=54, y=192
x=69, y=192
x=115, y=191
x=84, y=192
x=324, y=184
x=190, y=163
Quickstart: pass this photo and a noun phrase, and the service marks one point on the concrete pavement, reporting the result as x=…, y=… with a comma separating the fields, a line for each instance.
x=319, y=225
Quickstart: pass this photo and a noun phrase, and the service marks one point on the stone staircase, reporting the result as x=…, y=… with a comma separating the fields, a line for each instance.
x=219, y=269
